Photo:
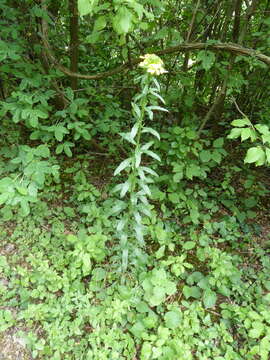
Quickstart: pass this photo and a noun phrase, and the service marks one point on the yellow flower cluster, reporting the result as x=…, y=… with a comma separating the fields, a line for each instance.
x=152, y=64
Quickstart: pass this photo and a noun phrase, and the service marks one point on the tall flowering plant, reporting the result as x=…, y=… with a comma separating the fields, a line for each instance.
x=136, y=187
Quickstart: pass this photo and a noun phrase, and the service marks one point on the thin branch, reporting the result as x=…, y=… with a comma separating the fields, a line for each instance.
x=212, y=109
x=185, y=64
x=238, y=108
x=230, y=47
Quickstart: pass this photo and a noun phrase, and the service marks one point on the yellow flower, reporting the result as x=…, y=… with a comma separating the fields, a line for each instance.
x=152, y=64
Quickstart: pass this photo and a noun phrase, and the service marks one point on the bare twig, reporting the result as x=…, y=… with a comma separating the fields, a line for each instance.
x=237, y=107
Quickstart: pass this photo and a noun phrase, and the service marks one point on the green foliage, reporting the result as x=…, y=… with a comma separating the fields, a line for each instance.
x=260, y=155
x=127, y=230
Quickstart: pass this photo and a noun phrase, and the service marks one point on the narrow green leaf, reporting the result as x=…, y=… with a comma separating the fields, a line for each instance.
x=125, y=188
x=124, y=164
x=152, y=154
x=151, y=131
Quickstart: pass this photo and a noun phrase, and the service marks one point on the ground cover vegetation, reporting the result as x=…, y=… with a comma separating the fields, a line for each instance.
x=134, y=187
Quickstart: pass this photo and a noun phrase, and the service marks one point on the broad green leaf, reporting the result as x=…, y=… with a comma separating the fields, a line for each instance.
x=127, y=137
x=100, y=23
x=266, y=139
x=85, y=7
x=59, y=149
x=193, y=170
x=246, y=133
x=205, y=155
x=67, y=150
x=33, y=121
x=160, y=253
x=59, y=132
x=24, y=207
x=3, y=198
x=172, y=319
x=22, y=190
x=241, y=122
x=191, y=291
x=136, y=110
x=263, y=129
x=122, y=21
x=257, y=330
x=174, y=198
x=43, y=151
x=207, y=59
x=188, y=245
x=138, y=329
x=216, y=156
x=235, y=133
x=267, y=153
x=218, y=142
x=147, y=145
x=209, y=298
x=255, y=155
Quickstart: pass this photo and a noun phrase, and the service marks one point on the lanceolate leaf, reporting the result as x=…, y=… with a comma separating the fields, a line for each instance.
x=151, y=131
x=152, y=154
x=124, y=164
